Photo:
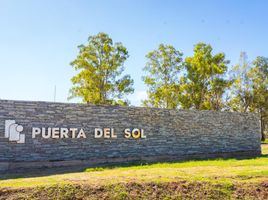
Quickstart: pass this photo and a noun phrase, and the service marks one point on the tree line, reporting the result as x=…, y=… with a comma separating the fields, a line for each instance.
x=202, y=81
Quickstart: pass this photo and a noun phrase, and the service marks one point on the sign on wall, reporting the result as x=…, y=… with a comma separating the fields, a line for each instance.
x=14, y=132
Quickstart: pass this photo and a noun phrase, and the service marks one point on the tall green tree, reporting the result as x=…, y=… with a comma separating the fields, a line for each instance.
x=250, y=88
x=100, y=64
x=242, y=87
x=162, y=71
x=259, y=75
x=204, y=83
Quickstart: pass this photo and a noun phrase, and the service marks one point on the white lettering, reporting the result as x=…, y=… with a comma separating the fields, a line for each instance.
x=64, y=133
x=98, y=133
x=73, y=131
x=127, y=133
x=35, y=131
x=46, y=135
x=81, y=134
x=106, y=132
x=113, y=135
x=142, y=134
x=55, y=133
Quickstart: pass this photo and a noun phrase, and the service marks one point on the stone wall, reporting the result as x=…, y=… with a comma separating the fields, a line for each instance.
x=170, y=134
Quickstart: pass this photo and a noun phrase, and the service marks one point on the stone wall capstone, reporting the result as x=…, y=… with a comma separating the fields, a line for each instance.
x=170, y=134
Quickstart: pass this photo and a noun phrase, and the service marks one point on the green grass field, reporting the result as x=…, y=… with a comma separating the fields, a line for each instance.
x=219, y=178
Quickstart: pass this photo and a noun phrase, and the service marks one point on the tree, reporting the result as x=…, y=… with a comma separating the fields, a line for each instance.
x=242, y=88
x=259, y=75
x=203, y=85
x=163, y=68
x=100, y=64
x=250, y=88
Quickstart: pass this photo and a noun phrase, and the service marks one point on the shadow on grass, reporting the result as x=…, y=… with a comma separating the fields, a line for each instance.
x=265, y=141
x=31, y=173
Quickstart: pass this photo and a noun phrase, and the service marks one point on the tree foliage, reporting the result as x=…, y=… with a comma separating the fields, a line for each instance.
x=204, y=84
x=163, y=67
x=242, y=87
x=198, y=82
x=250, y=88
x=100, y=64
x=260, y=91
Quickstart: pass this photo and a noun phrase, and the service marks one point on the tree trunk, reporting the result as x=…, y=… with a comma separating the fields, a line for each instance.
x=262, y=129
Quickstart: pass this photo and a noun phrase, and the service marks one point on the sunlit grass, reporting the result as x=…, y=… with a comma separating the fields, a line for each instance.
x=265, y=142
x=219, y=170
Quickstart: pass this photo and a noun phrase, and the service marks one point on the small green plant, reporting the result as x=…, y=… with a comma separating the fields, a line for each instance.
x=96, y=169
x=122, y=195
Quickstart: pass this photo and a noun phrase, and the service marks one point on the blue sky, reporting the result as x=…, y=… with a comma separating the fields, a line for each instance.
x=39, y=39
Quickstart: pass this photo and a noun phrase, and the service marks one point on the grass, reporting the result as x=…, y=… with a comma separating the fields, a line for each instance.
x=217, y=170
x=222, y=173
x=265, y=141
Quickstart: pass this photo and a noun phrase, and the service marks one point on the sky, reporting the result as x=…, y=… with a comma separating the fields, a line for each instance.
x=39, y=38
